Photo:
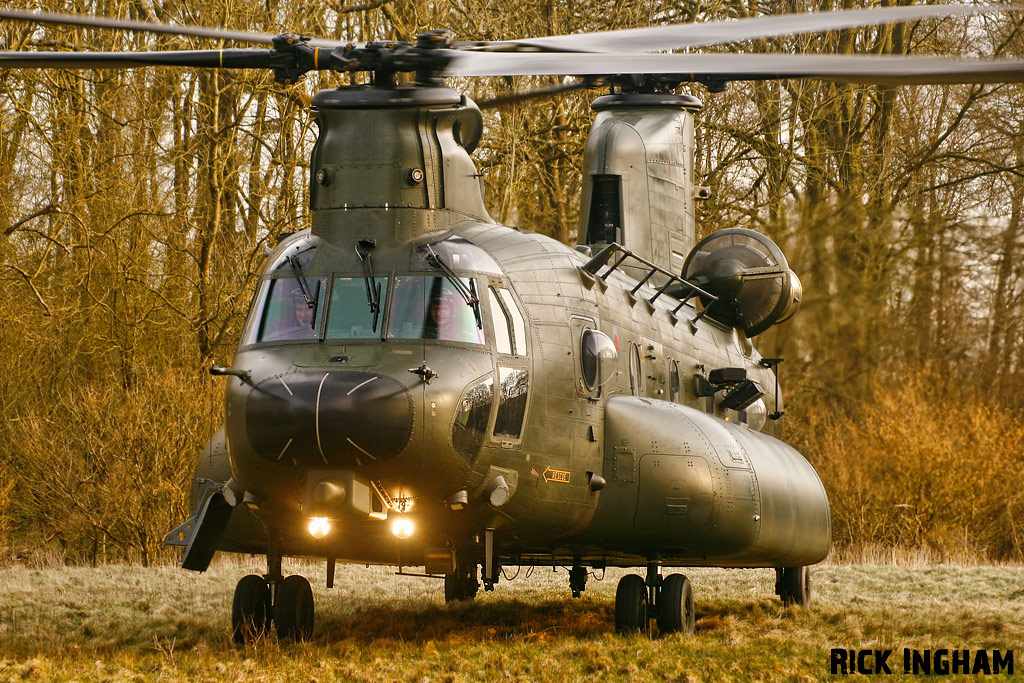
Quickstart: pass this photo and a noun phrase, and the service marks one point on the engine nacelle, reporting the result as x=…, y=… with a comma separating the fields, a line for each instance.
x=750, y=276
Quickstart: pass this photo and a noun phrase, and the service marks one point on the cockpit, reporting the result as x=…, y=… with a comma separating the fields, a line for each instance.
x=293, y=305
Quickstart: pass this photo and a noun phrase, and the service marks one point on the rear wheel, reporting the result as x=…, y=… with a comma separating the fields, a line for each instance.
x=675, y=605
x=795, y=586
x=462, y=585
x=250, y=609
x=631, y=605
x=293, y=612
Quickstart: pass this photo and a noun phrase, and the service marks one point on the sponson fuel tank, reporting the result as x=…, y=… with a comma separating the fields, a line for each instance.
x=705, y=491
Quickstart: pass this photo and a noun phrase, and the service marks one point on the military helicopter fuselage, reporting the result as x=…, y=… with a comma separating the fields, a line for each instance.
x=511, y=399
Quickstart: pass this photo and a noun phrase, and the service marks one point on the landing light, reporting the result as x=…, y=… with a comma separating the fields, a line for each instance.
x=402, y=528
x=319, y=527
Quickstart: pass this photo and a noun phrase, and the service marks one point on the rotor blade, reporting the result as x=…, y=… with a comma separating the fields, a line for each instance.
x=653, y=38
x=149, y=27
x=891, y=69
x=252, y=58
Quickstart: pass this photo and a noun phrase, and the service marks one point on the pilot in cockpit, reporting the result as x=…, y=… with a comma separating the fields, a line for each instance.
x=450, y=318
x=298, y=323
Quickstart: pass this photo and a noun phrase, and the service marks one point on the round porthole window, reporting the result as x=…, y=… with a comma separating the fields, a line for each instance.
x=598, y=359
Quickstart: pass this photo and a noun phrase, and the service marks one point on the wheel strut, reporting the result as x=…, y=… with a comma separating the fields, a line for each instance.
x=578, y=580
x=654, y=581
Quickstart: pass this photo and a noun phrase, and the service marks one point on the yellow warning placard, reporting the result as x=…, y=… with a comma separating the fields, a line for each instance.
x=556, y=475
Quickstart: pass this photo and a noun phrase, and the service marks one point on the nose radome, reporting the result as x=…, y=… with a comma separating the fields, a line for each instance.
x=329, y=418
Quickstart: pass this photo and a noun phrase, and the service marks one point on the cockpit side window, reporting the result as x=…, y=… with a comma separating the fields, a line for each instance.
x=518, y=324
x=509, y=326
x=433, y=308
x=288, y=309
x=502, y=324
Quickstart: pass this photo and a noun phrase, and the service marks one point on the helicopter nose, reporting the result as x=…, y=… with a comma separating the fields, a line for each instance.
x=340, y=419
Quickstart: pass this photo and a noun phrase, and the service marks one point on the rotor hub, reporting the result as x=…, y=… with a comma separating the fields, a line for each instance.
x=624, y=100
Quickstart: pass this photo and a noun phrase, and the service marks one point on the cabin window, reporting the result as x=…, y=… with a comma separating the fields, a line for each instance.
x=350, y=315
x=435, y=308
x=288, y=309
x=636, y=377
x=598, y=359
x=673, y=382
x=471, y=418
x=514, y=386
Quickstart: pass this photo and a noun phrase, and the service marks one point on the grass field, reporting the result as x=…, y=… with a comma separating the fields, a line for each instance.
x=120, y=623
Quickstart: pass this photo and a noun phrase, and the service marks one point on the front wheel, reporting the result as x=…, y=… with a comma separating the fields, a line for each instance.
x=250, y=609
x=293, y=612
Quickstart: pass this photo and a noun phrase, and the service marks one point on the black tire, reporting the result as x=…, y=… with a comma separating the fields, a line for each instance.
x=250, y=609
x=796, y=586
x=293, y=612
x=631, y=605
x=462, y=585
x=675, y=605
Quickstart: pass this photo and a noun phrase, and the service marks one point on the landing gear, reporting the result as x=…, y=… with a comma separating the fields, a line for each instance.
x=577, y=580
x=675, y=605
x=293, y=609
x=250, y=609
x=260, y=600
x=461, y=585
x=793, y=585
x=668, y=599
x=631, y=605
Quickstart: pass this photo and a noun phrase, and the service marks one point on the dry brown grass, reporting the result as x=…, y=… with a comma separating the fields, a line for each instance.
x=129, y=623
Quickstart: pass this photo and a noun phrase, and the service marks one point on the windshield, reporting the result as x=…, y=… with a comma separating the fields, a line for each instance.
x=301, y=253
x=432, y=308
x=285, y=312
x=350, y=315
x=458, y=252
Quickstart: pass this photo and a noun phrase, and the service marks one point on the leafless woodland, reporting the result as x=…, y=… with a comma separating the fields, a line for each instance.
x=135, y=208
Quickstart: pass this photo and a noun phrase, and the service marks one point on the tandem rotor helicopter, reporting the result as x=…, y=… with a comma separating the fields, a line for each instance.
x=418, y=385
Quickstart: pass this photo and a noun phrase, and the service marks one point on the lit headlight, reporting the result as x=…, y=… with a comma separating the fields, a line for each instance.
x=319, y=527
x=402, y=528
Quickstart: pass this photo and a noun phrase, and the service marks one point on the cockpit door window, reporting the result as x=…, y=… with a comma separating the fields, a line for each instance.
x=514, y=386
